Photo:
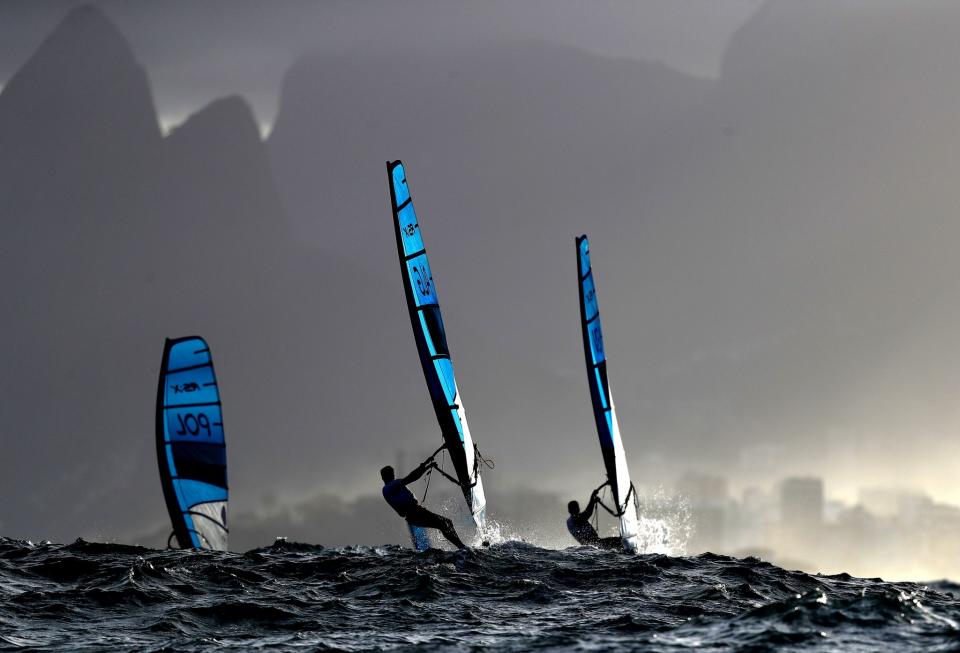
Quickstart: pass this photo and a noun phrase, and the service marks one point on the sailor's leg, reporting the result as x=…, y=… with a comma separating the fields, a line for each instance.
x=450, y=533
x=427, y=519
x=610, y=544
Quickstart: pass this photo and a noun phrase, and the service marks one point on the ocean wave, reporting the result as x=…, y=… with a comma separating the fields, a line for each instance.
x=511, y=596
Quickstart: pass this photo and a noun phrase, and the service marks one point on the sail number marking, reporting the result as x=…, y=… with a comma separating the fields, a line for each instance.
x=193, y=424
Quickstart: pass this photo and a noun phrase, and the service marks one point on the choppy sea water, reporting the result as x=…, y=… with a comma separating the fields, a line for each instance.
x=511, y=597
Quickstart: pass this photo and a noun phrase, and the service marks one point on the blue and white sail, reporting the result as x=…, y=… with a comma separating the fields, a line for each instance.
x=604, y=412
x=191, y=449
x=428, y=332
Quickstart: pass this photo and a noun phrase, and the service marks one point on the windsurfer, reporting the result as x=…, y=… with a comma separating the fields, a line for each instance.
x=578, y=523
x=402, y=500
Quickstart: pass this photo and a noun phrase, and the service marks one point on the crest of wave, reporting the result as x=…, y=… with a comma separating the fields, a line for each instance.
x=665, y=523
x=493, y=532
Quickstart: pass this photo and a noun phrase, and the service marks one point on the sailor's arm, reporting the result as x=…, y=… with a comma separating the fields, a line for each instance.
x=422, y=468
x=591, y=504
x=415, y=475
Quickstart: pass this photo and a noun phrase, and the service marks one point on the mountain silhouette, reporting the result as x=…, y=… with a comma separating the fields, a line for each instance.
x=118, y=237
x=80, y=88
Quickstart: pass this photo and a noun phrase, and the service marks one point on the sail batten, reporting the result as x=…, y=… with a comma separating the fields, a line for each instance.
x=191, y=450
x=604, y=410
x=431, y=340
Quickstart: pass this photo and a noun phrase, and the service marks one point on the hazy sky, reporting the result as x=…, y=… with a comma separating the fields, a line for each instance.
x=196, y=52
x=770, y=194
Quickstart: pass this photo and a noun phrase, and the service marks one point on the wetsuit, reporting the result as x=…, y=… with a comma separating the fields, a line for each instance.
x=402, y=500
x=585, y=534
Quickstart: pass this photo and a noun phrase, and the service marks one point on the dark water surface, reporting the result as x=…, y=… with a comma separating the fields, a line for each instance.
x=512, y=597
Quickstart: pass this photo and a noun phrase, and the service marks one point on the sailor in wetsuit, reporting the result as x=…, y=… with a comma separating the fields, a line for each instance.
x=402, y=500
x=578, y=523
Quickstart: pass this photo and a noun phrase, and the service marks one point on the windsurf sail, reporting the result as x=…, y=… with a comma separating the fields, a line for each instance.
x=428, y=332
x=191, y=450
x=611, y=446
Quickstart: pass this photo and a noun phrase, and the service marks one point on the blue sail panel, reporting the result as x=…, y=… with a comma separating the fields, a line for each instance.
x=602, y=395
x=192, y=492
x=605, y=416
x=592, y=310
x=185, y=355
x=398, y=185
x=592, y=319
x=410, y=230
x=195, y=385
x=431, y=340
x=445, y=373
x=455, y=415
x=191, y=450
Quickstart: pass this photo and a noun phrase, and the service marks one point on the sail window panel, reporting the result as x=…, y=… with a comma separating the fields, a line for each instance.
x=432, y=323
x=193, y=386
x=421, y=281
x=604, y=383
x=207, y=463
x=210, y=517
x=409, y=230
x=431, y=348
x=209, y=524
x=195, y=424
x=400, y=188
x=187, y=354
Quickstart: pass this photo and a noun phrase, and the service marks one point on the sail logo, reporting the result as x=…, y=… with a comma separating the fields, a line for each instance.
x=423, y=280
x=591, y=296
x=411, y=229
x=185, y=387
x=597, y=337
